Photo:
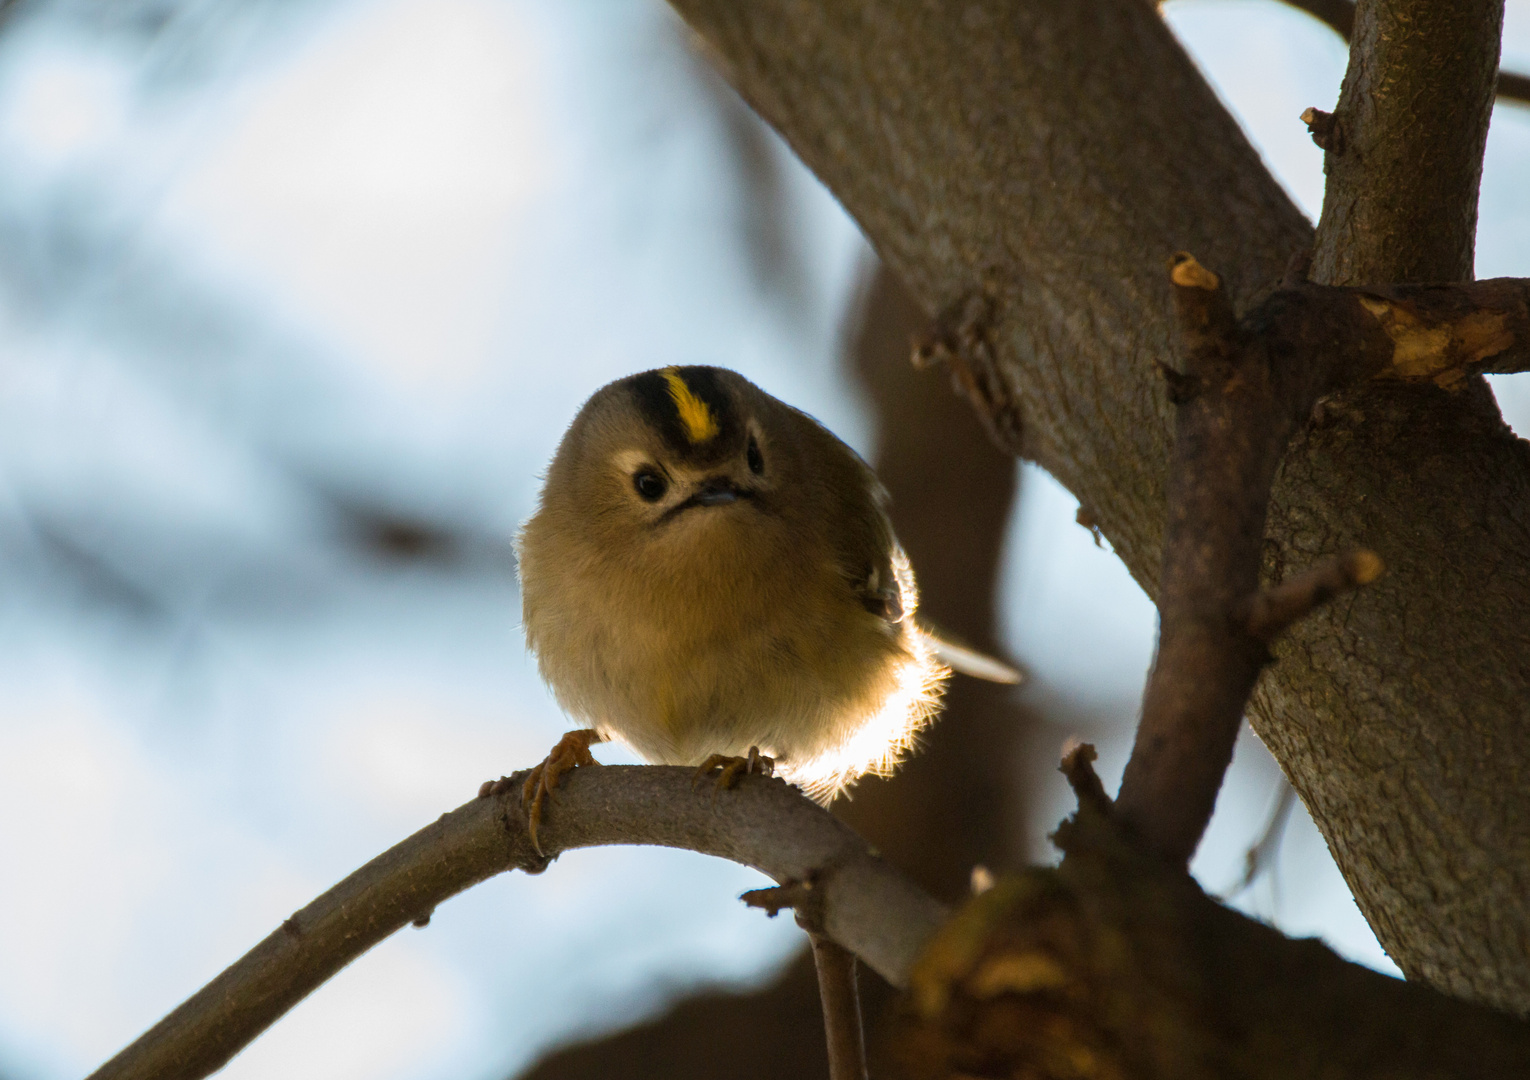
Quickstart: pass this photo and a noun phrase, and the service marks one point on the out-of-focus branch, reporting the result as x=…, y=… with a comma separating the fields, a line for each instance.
x=841, y=1009
x=1513, y=87
x=863, y=903
x=1115, y=965
x=1338, y=14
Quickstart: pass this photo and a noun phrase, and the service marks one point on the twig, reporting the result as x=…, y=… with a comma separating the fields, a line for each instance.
x=866, y=906
x=1078, y=766
x=1244, y=387
x=1229, y=436
x=1339, y=15
x=837, y=989
x=1275, y=608
x=841, y=1009
x=1261, y=853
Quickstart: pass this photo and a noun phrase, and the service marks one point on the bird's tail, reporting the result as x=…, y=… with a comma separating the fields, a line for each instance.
x=970, y=661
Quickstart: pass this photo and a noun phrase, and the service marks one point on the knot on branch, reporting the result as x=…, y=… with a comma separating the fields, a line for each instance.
x=961, y=338
x=1324, y=129
x=1183, y=388
x=804, y=897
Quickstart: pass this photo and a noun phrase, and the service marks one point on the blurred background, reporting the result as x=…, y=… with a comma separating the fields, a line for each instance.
x=296, y=297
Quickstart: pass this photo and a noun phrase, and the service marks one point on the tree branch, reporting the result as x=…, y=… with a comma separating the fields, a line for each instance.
x=838, y=993
x=1400, y=203
x=1115, y=965
x=1039, y=160
x=1272, y=610
x=841, y=1009
x=864, y=904
x=1242, y=392
x=1244, y=388
x=1135, y=956
x=1339, y=15
x=1231, y=430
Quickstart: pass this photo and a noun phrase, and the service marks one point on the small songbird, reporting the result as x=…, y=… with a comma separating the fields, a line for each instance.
x=711, y=578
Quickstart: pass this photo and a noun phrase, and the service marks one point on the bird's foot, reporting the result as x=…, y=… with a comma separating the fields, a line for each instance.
x=571, y=752
x=732, y=767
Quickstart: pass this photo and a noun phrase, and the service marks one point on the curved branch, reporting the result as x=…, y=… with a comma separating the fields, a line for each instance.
x=865, y=905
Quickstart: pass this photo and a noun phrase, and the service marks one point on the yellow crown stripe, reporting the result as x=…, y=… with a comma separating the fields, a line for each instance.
x=700, y=424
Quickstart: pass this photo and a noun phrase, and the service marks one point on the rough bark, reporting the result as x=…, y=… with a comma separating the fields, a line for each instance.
x=1027, y=168
x=1400, y=203
x=1513, y=87
x=1418, y=782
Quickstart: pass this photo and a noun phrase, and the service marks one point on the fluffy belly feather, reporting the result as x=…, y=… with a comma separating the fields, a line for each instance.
x=830, y=692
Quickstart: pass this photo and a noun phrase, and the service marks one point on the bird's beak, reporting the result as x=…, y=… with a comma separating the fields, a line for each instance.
x=715, y=491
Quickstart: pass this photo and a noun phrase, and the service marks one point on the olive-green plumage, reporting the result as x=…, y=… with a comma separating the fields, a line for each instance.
x=711, y=570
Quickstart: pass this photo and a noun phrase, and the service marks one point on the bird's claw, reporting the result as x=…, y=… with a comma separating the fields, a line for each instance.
x=732, y=767
x=571, y=752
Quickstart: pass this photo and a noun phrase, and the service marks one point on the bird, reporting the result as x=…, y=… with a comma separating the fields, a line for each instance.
x=711, y=577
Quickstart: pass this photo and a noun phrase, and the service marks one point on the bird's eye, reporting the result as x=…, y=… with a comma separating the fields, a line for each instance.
x=649, y=484
x=753, y=456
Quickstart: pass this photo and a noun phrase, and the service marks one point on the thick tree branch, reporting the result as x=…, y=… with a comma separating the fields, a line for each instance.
x=863, y=903
x=1340, y=16
x=1029, y=164
x=1114, y=965
x=1400, y=204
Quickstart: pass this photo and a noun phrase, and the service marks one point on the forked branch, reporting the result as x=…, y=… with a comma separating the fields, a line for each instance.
x=1244, y=387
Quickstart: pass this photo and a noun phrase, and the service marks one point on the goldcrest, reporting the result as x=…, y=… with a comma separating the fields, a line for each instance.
x=711, y=577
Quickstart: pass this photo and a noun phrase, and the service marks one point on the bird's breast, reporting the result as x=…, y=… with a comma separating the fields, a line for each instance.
x=725, y=649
